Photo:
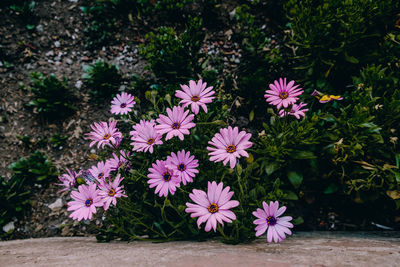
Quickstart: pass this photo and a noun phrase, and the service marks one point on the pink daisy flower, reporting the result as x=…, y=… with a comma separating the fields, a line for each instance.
x=268, y=218
x=164, y=178
x=122, y=103
x=68, y=180
x=101, y=171
x=213, y=206
x=145, y=136
x=295, y=110
x=184, y=164
x=111, y=191
x=85, y=201
x=281, y=93
x=177, y=123
x=195, y=95
x=116, y=162
x=103, y=134
x=229, y=145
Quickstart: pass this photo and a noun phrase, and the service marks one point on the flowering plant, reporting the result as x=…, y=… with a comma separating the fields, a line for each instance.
x=150, y=175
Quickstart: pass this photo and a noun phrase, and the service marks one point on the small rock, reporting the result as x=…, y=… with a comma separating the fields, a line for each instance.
x=69, y=61
x=9, y=227
x=57, y=44
x=50, y=53
x=56, y=205
x=78, y=84
x=40, y=28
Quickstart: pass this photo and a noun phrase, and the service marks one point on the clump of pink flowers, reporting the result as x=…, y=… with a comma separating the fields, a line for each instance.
x=102, y=184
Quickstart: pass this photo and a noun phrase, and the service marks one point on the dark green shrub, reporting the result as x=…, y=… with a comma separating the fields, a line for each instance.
x=174, y=58
x=336, y=38
x=103, y=79
x=15, y=194
x=52, y=97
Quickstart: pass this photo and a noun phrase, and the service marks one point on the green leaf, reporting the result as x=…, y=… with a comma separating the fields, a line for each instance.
x=298, y=220
x=30, y=26
x=332, y=188
x=270, y=168
x=295, y=178
x=303, y=155
x=350, y=59
x=290, y=195
x=251, y=115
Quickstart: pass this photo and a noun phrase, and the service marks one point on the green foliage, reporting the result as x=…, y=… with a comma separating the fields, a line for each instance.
x=58, y=140
x=103, y=79
x=174, y=58
x=15, y=194
x=52, y=97
x=25, y=10
x=335, y=38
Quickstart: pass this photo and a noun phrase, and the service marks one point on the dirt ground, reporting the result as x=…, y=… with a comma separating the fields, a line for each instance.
x=303, y=249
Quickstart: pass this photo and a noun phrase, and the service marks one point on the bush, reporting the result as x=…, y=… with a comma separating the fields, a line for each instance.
x=52, y=97
x=172, y=58
x=16, y=193
x=103, y=79
x=336, y=38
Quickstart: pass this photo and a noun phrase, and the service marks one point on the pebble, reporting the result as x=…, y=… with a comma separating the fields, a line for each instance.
x=50, y=53
x=78, y=84
x=57, y=44
x=69, y=61
x=56, y=205
x=40, y=28
x=9, y=227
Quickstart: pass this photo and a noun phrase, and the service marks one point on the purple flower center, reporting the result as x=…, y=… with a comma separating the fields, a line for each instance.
x=195, y=98
x=88, y=202
x=101, y=175
x=212, y=208
x=271, y=220
x=123, y=105
x=166, y=176
x=106, y=136
x=150, y=141
x=181, y=167
x=231, y=148
x=283, y=95
x=111, y=192
x=176, y=125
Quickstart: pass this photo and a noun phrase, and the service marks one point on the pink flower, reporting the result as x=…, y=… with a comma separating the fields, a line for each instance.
x=195, y=95
x=282, y=94
x=116, y=162
x=85, y=201
x=68, y=180
x=103, y=134
x=269, y=219
x=111, y=191
x=101, y=171
x=122, y=104
x=212, y=207
x=229, y=145
x=184, y=164
x=295, y=110
x=145, y=136
x=164, y=178
x=177, y=123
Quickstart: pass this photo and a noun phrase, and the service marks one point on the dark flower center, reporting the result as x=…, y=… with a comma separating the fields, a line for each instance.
x=231, y=148
x=123, y=105
x=88, y=202
x=283, y=95
x=111, y=192
x=271, y=220
x=166, y=176
x=106, y=136
x=212, y=208
x=176, y=125
x=181, y=167
x=150, y=141
x=101, y=175
x=195, y=98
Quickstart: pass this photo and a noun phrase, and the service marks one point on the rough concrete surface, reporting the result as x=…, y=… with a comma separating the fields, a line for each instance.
x=302, y=249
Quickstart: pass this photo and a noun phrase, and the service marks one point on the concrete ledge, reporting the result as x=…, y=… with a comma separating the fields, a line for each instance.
x=302, y=249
